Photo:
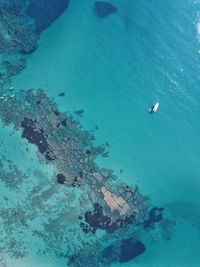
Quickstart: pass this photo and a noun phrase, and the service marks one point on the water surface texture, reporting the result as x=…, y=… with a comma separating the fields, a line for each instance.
x=109, y=66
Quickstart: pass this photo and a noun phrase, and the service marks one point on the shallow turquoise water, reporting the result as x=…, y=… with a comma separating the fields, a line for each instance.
x=115, y=69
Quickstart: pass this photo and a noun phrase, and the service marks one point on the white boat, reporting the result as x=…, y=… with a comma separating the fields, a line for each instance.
x=154, y=108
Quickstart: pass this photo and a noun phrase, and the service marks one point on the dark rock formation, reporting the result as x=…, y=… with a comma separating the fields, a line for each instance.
x=61, y=94
x=37, y=137
x=79, y=112
x=64, y=122
x=103, y=9
x=124, y=251
x=155, y=215
x=97, y=220
x=44, y=12
x=130, y=249
x=60, y=178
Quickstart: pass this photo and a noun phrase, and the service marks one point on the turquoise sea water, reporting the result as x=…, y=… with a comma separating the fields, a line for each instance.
x=115, y=68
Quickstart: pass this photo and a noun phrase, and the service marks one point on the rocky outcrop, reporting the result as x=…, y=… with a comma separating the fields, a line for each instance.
x=44, y=12
x=21, y=23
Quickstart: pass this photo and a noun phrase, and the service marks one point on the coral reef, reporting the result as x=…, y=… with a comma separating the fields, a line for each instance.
x=29, y=215
x=17, y=37
x=20, y=29
x=61, y=142
x=80, y=200
x=98, y=254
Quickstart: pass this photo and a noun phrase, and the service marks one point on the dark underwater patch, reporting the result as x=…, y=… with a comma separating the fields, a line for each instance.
x=96, y=254
x=155, y=216
x=98, y=220
x=73, y=155
x=109, y=253
x=37, y=137
x=127, y=250
x=103, y=9
x=130, y=249
x=44, y=12
x=60, y=178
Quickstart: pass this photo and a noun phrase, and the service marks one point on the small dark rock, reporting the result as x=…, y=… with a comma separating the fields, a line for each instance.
x=108, y=252
x=49, y=155
x=61, y=94
x=81, y=174
x=64, y=122
x=79, y=112
x=60, y=178
x=57, y=113
x=85, y=227
x=103, y=9
x=155, y=216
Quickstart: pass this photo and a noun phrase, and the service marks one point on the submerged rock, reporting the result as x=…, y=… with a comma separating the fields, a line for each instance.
x=79, y=112
x=155, y=216
x=60, y=178
x=61, y=94
x=123, y=251
x=44, y=12
x=130, y=249
x=22, y=22
x=103, y=9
